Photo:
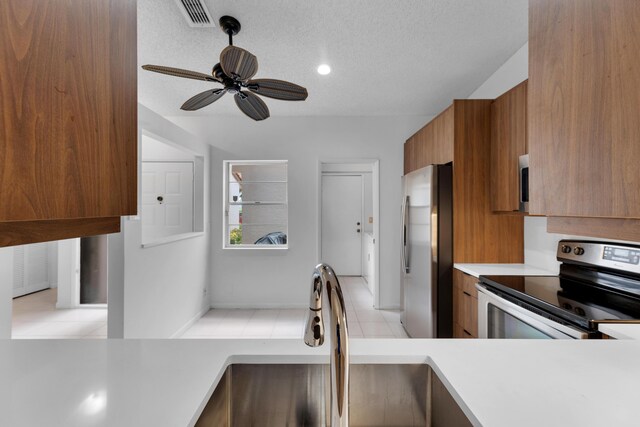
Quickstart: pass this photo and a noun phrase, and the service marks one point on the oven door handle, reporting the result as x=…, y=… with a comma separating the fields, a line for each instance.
x=546, y=326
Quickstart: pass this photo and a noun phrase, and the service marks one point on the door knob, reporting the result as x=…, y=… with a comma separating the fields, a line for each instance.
x=358, y=224
x=358, y=230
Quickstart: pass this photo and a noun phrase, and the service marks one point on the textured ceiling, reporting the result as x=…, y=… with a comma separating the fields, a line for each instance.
x=400, y=57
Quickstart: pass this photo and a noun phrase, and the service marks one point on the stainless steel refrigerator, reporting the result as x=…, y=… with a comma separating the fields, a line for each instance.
x=427, y=252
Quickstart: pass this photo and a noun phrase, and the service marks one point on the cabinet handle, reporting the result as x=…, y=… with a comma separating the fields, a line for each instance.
x=466, y=332
x=466, y=293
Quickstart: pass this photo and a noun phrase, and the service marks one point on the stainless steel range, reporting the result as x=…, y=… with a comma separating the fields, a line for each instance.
x=598, y=283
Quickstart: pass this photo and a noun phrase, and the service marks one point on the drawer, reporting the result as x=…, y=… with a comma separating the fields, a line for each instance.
x=465, y=282
x=465, y=305
x=460, y=332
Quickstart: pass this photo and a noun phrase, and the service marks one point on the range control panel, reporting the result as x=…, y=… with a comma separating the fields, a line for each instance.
x=620, y=257
x=629, y=256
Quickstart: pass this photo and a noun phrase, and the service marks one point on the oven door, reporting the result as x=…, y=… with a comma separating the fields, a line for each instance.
x=499, y=318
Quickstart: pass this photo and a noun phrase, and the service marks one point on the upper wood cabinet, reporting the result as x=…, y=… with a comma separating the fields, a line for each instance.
x=431, y=145
x=462, y=134
x=68, y=100
x=409, y=155
x=584, y=108
x=508, y=143
x=68, y=117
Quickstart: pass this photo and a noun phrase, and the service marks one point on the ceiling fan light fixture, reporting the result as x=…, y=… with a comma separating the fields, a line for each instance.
x=324, y=69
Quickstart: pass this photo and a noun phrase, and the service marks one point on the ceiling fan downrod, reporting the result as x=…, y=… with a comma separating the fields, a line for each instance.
x=230, y=26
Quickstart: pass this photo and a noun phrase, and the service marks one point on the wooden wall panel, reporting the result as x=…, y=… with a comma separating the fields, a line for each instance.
x=584, y=99
x=24, y=232
x=479, y=235
x=608, y=228
x=508, y=143
x=68, y=98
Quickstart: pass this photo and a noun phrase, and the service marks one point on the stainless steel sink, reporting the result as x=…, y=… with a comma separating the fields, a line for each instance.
x=298, y=395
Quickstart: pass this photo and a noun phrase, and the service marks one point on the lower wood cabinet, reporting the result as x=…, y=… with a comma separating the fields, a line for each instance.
x=465, y=305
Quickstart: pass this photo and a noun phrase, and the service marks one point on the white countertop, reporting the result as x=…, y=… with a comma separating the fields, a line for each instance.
x=168, y=382
x=478, y=270
x=621, y=331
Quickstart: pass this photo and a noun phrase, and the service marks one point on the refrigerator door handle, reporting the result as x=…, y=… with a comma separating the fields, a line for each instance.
x=405, y=225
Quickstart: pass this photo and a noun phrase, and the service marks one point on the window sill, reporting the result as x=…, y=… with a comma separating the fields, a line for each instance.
x=257, y=247
x=171, y=239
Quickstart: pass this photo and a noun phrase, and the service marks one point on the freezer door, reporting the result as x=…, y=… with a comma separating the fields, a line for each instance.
x=419, y=256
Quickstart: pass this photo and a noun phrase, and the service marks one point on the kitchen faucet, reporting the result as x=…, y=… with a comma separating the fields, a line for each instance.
x=324, y=276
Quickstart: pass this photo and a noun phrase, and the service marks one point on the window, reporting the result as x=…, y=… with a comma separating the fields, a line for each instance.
x=255, y=204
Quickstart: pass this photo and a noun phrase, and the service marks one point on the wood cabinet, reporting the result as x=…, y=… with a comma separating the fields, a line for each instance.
x=465, y=305
x=584, y=104
x=508, y=143
x=462, y=134
x=68, y=129
x=433, y=144
x=608, y=228
x=409, y=155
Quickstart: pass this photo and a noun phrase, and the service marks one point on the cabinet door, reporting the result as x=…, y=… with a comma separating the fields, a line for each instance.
x=68, y=129
x=508, y=143
x=465, y=305
x=584, y=99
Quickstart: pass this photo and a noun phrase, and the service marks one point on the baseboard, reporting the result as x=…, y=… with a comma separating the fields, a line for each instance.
x=190, y=323
x=256, y=306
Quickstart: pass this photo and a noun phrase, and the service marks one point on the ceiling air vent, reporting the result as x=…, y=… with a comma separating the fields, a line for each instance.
x=196, y=13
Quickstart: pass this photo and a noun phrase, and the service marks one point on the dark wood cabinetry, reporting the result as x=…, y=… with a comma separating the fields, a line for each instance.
x=465, y=305
x=508, y=143
x=433, y=144
x=584, y=108
x=462, y=134
x=68, y=129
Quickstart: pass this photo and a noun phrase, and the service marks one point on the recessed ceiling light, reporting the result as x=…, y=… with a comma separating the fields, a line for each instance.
x=324, y=69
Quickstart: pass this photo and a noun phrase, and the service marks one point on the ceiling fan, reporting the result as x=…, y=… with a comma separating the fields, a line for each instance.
x=235, y=71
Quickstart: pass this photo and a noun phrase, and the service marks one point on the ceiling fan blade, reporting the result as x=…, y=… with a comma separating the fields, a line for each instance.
x=252, y=105
x=203, y=99
x=179, y=72
x=238, y=63
x=278, y=89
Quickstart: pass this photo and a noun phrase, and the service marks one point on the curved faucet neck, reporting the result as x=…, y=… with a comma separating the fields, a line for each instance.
x=324, y=277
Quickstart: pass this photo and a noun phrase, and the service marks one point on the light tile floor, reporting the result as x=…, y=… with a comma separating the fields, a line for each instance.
x=35, y=316
x=364, y=321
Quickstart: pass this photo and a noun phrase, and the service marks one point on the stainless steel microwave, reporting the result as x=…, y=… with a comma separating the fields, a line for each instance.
x=523, y=173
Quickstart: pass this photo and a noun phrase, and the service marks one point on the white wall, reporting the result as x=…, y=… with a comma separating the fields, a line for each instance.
x=280, y=278
x=510, y=74
x=165, y=286
x=68, y=272
x=154, y=150
x=539, y=246
x=6, y=291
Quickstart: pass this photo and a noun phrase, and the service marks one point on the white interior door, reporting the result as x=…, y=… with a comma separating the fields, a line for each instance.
x=341, y=233
x=30, y=269
x=167, y=199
